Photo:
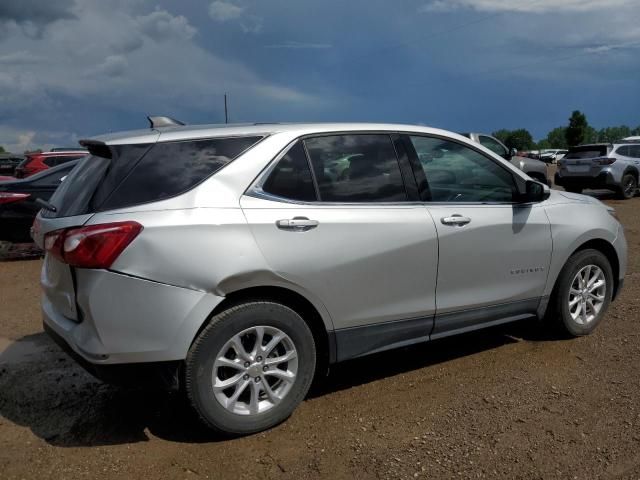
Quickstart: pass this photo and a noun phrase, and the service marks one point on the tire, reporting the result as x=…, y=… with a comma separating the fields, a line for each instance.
x=573, y=189
x=205, y=366
x=561, y=315
x=628, y=187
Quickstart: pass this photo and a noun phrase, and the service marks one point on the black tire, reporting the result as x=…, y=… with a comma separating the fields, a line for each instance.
x=629, y=187
x=558, y=314
x=222, y=328
x=574, y=189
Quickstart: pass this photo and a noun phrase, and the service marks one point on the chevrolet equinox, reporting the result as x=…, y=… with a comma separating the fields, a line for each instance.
x=235, y=262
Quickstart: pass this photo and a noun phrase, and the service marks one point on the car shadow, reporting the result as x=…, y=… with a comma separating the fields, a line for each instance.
x=43, y=389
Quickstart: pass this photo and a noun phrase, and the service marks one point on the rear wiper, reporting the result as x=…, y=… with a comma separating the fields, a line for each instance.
x=46, y=205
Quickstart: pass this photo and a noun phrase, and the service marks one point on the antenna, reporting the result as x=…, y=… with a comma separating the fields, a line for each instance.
x=226, y=114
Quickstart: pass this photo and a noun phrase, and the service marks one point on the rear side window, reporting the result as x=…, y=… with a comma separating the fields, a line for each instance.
x=634, y=151
x=625, y=150
x=356, y=168
x=590, y=151
x=171, y=168
x=291, y=178
x=51, y=161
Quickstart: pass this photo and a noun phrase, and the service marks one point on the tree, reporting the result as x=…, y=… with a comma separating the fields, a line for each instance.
x=556, y=138
x=519, y=139
x=2, y=150
x=577, y=129
x=502, y=135
x=613, y=134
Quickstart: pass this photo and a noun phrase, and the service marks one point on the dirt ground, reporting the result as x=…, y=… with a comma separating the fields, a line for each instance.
x=509, y=402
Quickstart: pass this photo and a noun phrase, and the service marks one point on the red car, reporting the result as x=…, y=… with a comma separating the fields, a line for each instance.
x=39, y=161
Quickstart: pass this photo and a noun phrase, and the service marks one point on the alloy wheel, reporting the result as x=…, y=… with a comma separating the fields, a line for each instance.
x=587, y=294
x=255, y=370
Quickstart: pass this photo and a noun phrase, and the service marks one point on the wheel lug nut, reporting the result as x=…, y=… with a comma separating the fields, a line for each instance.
x=257, y=379
x=246, y=364
x=259, y=359
x=245, y=377
x=265, y=368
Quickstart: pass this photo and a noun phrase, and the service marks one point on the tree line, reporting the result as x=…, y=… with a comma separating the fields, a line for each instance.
x=577, y=131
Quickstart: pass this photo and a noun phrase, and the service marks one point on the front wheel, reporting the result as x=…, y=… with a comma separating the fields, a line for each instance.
x=250, y=367
x=629, y=187
x=582, y=294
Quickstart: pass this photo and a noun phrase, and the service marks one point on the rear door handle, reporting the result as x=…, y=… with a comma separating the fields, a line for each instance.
x=455, y=219
x=297, y=224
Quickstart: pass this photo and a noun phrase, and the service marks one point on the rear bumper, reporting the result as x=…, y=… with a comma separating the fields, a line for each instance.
x=602, y=180
x=125, y=320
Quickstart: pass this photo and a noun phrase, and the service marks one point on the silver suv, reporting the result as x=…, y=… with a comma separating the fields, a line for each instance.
x=532, y=167
x=601, y=166
x=238, y=262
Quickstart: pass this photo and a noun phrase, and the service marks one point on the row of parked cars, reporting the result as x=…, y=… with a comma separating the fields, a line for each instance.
x=25, y=183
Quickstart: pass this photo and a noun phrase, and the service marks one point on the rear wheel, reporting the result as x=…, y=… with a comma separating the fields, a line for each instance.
x=250, y=367
x=629, y=186
x=582, y=294
x=573, y=189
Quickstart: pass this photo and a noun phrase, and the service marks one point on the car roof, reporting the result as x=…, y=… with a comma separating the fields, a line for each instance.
x=187, y=132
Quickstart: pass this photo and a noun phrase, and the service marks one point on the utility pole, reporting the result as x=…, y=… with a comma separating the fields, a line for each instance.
x=226, y=115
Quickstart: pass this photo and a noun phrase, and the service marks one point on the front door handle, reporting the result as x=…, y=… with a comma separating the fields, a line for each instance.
x=297, y=224
x=455, y=219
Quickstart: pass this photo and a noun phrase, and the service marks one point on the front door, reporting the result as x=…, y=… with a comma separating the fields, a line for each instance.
x=493, y=253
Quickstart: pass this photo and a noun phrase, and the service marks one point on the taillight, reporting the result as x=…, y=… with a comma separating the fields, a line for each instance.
x=604, y=161
x=8, y=197
x=94, y=246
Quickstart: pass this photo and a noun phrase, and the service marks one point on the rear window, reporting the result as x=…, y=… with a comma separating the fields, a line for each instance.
x=143, y=173
x=588, y=151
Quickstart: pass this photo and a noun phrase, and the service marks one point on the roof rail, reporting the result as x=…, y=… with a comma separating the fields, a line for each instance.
x=160, y=121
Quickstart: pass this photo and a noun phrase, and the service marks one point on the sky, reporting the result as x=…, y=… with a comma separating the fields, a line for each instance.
x=70, y=69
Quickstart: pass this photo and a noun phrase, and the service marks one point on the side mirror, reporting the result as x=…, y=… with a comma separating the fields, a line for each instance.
x=513, y=152
x=535, y=192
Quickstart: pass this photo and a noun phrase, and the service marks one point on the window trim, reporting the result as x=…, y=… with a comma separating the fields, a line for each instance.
x=415, y=162
x=255, y=188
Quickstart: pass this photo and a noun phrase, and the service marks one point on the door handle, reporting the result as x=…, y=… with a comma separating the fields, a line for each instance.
x=455, y=219
x=297, y=224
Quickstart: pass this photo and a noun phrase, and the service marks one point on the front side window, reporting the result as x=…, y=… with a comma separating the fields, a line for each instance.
x=356, y=168
x=492, y=145
x=291, y=178
x=456, y=173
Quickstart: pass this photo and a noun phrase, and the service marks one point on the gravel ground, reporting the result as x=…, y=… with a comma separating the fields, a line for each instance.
x=509, y=402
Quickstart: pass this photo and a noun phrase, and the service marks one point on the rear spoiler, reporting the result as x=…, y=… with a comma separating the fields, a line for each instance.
x=99, y=149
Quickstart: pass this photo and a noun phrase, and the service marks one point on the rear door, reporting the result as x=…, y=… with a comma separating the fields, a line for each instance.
x=350, y=236
x=493, y=253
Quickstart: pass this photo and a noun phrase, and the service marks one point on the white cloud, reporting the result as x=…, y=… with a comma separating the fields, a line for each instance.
x=526, y=6
x=161, y=25
x=82, y=69
x=21, y=140
x=225, y=11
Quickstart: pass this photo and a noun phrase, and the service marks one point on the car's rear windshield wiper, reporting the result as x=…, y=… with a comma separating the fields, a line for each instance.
x=46, y=205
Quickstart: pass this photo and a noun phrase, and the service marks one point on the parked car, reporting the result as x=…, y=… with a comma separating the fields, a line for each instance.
x=237, y=262
x=9, y=162
x=39, y=161
x=552, y=155
x=534, y=168
x=602, y=166
x=18, y=205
